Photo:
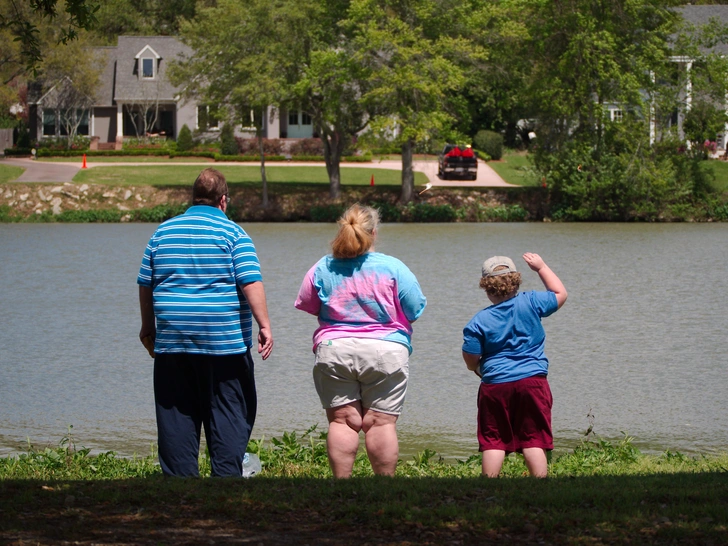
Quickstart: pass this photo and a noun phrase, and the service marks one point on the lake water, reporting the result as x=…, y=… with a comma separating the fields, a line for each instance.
x=640, y=344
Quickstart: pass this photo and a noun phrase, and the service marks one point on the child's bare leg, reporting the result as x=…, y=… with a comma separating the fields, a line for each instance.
x=536, y=461
x=493, y=462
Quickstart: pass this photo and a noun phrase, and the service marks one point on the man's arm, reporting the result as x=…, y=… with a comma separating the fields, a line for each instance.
x=548, y=278
x=255, y=294
x=146, y=305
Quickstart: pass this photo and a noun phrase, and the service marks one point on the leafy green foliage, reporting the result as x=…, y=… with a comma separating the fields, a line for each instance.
x=426, y=212
x=489, y=142
x=327, y=213
x=228, y=144
x=184, y=139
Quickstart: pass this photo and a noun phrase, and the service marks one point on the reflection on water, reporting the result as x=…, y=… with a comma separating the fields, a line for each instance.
x=640, y=343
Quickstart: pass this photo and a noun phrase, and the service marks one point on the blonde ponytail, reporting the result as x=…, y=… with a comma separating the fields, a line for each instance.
x=356, y=232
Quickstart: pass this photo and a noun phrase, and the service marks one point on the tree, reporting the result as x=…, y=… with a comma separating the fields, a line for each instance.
x=234, y=65
x=184, y=139
x=70, y=77
x=293, y=54
x=23, y=19
x=412, y=69
x=143, y=111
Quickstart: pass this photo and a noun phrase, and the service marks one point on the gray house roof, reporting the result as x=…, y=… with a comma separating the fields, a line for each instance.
x=120, y=78
x=128, y=85
x=701, y=15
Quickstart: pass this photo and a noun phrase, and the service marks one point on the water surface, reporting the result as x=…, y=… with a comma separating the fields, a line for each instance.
x=640, y=344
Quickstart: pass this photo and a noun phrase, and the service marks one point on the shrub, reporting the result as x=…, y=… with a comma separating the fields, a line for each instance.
x=489, y=142
x=249, y=146
x=426, y=212
x=228, y=145
x=327, y=213
x=307, y=146
x=184, y=139
x=388, y=212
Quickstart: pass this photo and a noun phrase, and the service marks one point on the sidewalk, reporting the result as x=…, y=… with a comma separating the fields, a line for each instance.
x=46, y=171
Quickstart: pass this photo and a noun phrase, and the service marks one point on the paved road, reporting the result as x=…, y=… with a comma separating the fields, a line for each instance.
x=46, y=171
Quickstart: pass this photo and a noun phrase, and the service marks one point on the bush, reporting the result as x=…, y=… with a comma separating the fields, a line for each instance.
x=489, y=142
x=307, y=146
x=327, y=213
x=10, y=152
x=249, y=146
x=425, y=212
x=228, y=144
x=184, y=139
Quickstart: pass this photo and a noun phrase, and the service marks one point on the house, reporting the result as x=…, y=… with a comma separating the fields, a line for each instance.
x=135, y=98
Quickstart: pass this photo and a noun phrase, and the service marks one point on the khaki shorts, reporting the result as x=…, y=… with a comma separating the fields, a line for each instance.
x=370, y=370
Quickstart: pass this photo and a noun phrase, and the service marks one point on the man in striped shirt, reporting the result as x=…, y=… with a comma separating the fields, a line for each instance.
x=199, y=289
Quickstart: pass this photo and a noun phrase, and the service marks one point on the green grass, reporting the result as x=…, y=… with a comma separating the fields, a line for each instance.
x=720, y=170
x=9, y=172
x=186, y=174
x=515, y=168
x=601, y=493
x=124, y=159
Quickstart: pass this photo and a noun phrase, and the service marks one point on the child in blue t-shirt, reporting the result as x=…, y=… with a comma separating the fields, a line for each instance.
x=504, y=345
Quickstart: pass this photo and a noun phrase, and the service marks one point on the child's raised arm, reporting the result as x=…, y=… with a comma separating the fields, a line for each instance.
x=548, y=277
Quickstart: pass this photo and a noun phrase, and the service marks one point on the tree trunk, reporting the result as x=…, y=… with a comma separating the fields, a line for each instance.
x=333, y=150
x=262, y=169
x=408, y=174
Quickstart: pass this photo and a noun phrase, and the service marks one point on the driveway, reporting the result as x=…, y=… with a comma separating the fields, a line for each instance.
x=46, y=171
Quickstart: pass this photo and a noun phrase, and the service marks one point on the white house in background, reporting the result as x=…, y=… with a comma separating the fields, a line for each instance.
x=134, y=80
x=697, y=16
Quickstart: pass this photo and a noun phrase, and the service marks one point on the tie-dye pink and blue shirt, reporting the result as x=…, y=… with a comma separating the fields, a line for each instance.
x=371, y=296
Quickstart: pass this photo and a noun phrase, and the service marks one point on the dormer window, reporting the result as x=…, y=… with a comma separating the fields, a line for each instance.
x=148, y=68
x=147, y=63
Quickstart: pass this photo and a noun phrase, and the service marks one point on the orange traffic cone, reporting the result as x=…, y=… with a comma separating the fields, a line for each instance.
x=84, y=162
x=371, y=182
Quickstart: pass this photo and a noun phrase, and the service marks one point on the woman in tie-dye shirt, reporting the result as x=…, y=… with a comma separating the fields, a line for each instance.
x=366, y=303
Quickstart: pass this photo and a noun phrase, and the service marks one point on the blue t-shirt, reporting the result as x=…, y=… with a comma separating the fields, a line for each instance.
x=509, y=337
x=194, y=264
x=371, y=296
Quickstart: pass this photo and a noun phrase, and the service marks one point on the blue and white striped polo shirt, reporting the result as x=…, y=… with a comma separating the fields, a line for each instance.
x=193, y=263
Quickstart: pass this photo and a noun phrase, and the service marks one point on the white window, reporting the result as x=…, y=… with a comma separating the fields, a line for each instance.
x=616, y=115
x=293, y=117
x=147, y=68
x=206, y=120
x=305, y=119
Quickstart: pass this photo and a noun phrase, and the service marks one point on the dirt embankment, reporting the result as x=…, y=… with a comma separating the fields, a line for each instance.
x=285, y=202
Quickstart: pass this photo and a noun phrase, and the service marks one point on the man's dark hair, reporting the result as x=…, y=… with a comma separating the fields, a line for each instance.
x=209, y=188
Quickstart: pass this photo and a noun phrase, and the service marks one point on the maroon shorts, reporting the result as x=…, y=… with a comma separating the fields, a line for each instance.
x=515, y=415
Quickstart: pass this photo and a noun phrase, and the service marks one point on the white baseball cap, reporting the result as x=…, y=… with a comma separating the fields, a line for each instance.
x=491, y=264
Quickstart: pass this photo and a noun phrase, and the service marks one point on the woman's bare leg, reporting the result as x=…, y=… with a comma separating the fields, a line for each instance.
x=493, y=462
x=536, y=461
x=342, y=442
x=380, y=436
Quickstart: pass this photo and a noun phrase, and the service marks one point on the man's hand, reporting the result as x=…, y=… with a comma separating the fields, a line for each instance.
x=255, y=294
x=265, y=342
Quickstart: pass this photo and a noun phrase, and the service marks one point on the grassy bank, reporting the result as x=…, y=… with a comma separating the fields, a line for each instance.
x=289, y=202
x=9, y=172
x=235, y=174
x=516, y=168
x=599, y=494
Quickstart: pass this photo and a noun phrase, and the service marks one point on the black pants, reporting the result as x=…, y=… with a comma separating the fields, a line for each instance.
x=217, y=392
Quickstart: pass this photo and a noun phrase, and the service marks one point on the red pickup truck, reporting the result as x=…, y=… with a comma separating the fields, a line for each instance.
x=457, y=161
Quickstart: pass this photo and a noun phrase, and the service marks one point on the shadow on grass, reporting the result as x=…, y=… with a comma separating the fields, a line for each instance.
x=689, y=508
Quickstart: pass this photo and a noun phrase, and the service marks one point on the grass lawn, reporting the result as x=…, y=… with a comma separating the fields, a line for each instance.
x=124, y=159
x=515, y=168
x=9, y=172
x=600, y=494
x=720, y=170
x=186, y=174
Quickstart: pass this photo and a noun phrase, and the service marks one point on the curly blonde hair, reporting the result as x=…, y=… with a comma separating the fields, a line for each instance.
x=501, y=285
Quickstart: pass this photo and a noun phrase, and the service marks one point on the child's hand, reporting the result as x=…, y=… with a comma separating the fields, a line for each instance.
x=534, y=261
